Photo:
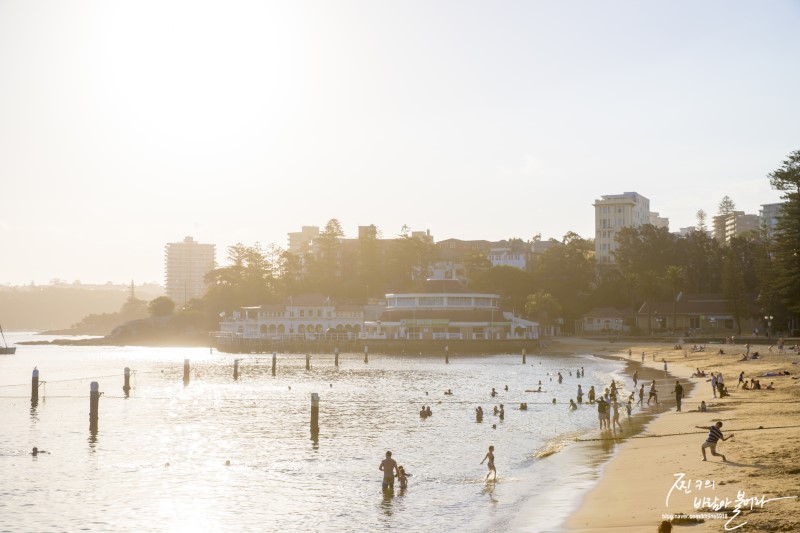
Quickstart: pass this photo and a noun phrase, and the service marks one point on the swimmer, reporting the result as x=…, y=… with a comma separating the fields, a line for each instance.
x=490, y=456
x=36, y=451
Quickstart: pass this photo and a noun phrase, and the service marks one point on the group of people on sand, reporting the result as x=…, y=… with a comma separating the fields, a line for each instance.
x=425, y=412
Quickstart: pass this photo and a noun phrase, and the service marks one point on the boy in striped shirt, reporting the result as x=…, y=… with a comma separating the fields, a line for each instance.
x=714, y=435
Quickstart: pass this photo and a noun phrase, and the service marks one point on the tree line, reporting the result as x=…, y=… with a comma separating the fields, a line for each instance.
x=758, y=273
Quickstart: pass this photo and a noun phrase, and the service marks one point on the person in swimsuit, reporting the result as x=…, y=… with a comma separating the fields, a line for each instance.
x=389, y=468
x=490, y=456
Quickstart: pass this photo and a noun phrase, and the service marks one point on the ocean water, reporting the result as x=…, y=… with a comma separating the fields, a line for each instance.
x=158, y=460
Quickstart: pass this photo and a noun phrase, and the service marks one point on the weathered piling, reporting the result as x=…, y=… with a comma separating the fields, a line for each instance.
x=94, y=404
x=523, y=356
x=308, y=361
x=126, y=387
x=235, y=369
x=274, y=362
x=366, y=354
x=35, y=387
x=336, y=357
x=185, y=372
x=314, y=414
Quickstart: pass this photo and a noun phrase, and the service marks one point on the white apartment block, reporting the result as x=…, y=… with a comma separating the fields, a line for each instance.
x=299, y=240
x=612, y=213
x=658, y=221
x=738, y=223
x=186, y=265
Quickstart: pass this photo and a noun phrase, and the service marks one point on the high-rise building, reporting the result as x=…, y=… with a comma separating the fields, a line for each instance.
x=299, y=241
x=186, y=265
x=658, y=221
x=739, y=223
x=768, y=215
x=612, y=213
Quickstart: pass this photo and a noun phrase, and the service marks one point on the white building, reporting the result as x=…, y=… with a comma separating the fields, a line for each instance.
x=738, y=223
x=305, y=316
x=658, y=221
x=446, y=309
x=611, y=214
x=185, y=267
x=299, y=240
x=508, y=257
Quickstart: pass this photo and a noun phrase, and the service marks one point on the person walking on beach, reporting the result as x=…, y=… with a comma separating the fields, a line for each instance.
x=389, y=468
x=490, y=456
x=635, y=378
x=678, y=393
x=714, y=435
x=714, y=384
x=665, y=368
x=641, y=395
x=629, y=408
x=653, y=393
x=580, y=394
x=642, y=357
x=741, y=379
x=615, y=421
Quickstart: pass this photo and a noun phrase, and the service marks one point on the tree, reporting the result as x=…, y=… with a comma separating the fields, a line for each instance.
x=161, y=306
x=701, y=220
x=674, y=278
x=544, y=306
x=787, y=235
x=733, y=288
x=475, y=264
x=726, y=206
x=511, y=283
x=648, y=283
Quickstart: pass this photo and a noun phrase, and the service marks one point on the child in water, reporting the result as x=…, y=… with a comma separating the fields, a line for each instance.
x=402, y=477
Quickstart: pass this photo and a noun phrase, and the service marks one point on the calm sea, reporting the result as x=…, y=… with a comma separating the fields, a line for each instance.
x=158, y=461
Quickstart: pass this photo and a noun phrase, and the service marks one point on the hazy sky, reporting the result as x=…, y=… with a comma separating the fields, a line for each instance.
x=127, y=125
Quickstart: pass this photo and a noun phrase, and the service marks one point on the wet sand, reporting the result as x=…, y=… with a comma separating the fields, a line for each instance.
x=634, y=486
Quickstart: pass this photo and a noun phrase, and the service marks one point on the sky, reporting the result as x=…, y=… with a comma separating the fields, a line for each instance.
x=128, y=125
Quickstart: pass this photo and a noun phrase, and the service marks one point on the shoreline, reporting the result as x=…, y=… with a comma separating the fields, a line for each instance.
x=631, y=494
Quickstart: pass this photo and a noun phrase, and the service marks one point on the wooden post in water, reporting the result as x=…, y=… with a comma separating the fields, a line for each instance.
x=366, y=354
x=308, y=361
x=35, y=387
x=185, y=372
x=94, y=403
x=314, y=414
x=274, y=362
x=446, y=355
x=523, y=356
x=126, y=388
x=235, y=369
x=336, y=357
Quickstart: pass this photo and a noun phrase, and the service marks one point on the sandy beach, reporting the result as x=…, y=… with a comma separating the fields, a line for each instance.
x=659, y=474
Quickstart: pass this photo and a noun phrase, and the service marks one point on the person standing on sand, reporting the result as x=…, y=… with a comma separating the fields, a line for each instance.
x=389, y=468
x=665, y=368
x=490, y=456
x=678, y=394
x=641, y=395
x=714, y=384
x=642, y=357
x=635, y=378
x=714, y=435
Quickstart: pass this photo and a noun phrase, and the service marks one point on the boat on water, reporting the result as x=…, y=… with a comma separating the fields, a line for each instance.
x=6, y=349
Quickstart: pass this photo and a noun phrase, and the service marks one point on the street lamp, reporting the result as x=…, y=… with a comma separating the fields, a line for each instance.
x=768, y=319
